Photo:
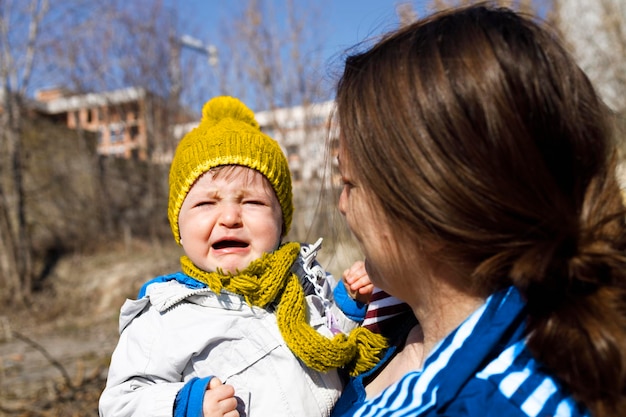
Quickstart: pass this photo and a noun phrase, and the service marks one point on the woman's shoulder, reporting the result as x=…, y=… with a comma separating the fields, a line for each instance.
x=515, y=379
x=514, y=393
x=512, y=384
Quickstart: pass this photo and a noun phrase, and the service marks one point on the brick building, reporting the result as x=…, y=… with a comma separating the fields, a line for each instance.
x=129, y=123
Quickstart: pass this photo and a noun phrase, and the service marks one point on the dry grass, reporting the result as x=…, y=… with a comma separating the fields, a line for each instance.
x=54, y=355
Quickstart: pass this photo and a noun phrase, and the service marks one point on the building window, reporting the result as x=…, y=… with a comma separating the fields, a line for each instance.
x=292, y=150
x=131, y=111
x=317, y=121
x=117, y=134
x=134, y=132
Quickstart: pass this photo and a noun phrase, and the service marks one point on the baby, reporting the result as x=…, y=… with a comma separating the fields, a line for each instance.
x=250, y=326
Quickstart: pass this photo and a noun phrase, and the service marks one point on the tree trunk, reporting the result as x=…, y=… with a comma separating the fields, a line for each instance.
x=16, y=260
x=10, y=289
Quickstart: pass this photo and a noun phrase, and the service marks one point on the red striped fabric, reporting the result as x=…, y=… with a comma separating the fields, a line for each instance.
x=381, y=311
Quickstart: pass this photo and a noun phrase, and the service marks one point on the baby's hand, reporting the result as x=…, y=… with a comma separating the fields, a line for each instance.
x=357, y=282
x=219, y=400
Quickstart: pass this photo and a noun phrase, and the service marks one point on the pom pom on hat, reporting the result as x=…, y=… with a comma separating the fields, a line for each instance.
x=220, y=108
x=228, y=134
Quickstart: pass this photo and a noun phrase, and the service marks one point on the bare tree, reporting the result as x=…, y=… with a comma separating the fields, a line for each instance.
x=406, y=13
x=596, y=35
x=274, y=60
x=525, y=6
x=16, y=66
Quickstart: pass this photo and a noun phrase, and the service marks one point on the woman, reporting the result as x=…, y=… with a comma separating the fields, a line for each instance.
x=479, y=179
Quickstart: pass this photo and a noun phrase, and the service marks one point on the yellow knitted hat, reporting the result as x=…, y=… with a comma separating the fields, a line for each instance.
x=228, y=134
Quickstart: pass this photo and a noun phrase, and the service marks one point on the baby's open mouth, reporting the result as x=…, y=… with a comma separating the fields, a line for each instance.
x=223, y=244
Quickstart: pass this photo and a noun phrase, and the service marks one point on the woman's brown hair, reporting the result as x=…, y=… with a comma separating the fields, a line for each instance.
x=475, y=128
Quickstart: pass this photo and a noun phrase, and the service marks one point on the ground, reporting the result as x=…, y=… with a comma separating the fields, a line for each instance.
x=54, y=355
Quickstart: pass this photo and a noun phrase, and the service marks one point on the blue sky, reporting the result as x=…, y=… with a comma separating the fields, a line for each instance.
x=352, y=21
x=347, y=22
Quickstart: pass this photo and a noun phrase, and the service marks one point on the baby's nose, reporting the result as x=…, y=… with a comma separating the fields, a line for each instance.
x=231, y=215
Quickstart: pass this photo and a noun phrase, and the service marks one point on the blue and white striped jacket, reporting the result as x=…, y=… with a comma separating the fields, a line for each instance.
x=481, y=369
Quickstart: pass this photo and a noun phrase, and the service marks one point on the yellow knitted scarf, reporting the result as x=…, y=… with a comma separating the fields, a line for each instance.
x=269, y=279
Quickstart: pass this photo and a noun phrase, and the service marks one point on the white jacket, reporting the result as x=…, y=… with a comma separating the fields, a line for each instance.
x=175, y=333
